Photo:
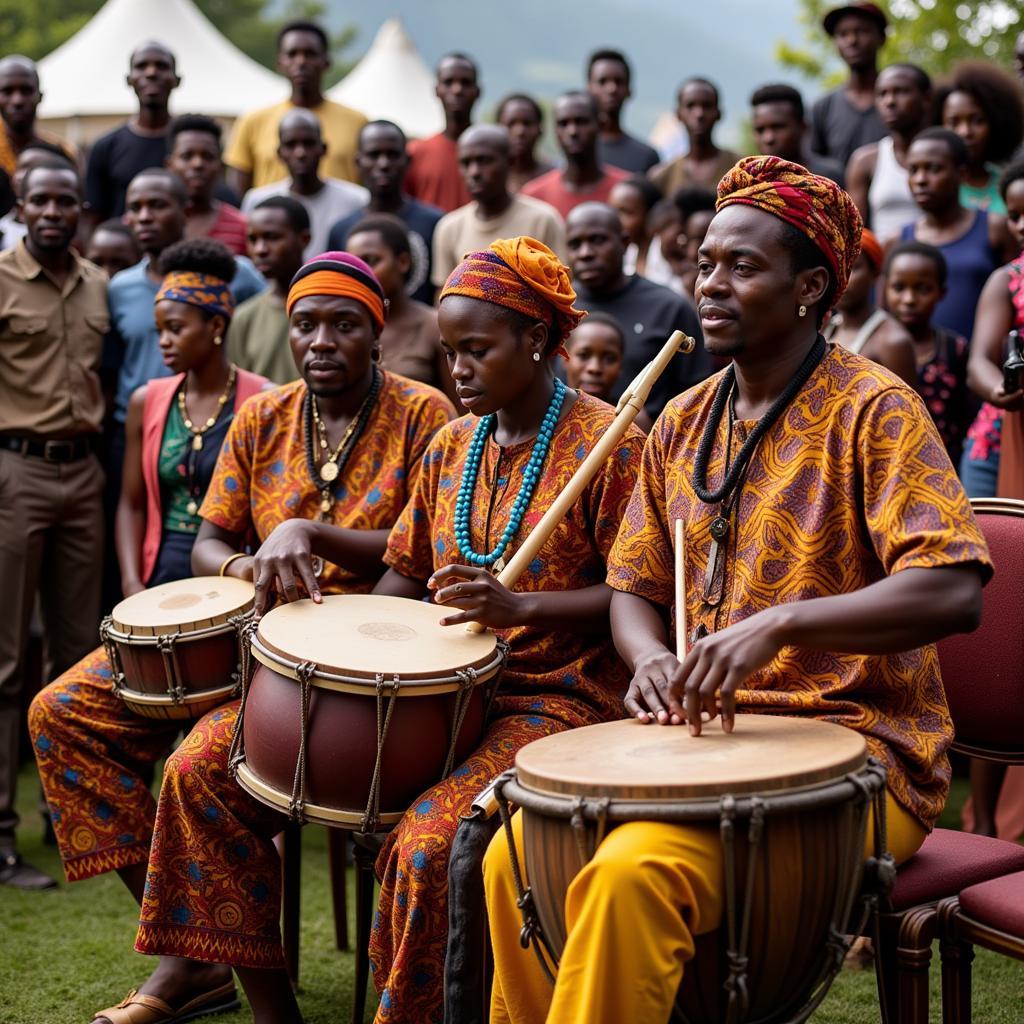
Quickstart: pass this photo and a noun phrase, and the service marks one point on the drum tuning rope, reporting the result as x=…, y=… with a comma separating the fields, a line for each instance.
x=531, y=934
x=467, y=680
x=165, y=644
x=113, y=655
x=246, y=630
x=371, y=816
x=304, y=673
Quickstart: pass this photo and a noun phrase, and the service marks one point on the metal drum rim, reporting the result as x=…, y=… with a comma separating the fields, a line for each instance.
x=164, y=700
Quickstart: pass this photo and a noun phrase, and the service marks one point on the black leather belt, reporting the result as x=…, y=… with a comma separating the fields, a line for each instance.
x=69, y=449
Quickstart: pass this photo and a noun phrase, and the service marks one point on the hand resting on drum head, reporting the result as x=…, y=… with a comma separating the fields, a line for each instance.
x=284, y=563
x=903, y=611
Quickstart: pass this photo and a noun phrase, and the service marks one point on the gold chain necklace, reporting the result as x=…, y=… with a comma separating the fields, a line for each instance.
x=197, y=432
x=329, y=469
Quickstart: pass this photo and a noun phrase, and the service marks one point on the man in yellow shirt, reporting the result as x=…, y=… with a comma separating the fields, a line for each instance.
x=303, y=55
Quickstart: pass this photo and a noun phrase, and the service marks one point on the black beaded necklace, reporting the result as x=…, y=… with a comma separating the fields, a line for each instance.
x=727, y=493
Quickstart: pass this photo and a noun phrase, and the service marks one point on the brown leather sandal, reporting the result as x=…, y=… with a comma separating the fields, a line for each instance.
x=138, y=1008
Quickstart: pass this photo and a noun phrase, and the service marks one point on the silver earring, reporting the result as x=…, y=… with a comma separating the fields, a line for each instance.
x=802, y=311
x=218, y=340
x=536, y=357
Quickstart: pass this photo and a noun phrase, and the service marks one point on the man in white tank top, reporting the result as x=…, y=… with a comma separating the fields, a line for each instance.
x=877, y=173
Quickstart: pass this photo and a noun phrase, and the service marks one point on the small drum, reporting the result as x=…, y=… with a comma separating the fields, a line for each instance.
x=174, y=649
x=358, y=705
x=790, y=799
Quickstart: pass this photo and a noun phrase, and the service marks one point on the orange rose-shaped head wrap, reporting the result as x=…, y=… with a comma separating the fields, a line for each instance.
x=816, y=206
x=524, y=275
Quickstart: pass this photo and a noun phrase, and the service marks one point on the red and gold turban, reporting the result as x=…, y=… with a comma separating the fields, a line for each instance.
x=521, y=274
x=339, y=273
x=814, y=205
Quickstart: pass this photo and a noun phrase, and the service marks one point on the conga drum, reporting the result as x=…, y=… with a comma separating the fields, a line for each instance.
x=359, y=704
x=174, y=649
x=790, y=799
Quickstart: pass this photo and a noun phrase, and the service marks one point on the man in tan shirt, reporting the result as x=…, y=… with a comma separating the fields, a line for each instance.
x=493, y=212
x=53, y=318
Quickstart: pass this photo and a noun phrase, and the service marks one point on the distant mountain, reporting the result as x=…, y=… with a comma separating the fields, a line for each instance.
x=540, y=45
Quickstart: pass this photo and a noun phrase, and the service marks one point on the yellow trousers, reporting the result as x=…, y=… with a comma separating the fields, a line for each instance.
x=631, y=917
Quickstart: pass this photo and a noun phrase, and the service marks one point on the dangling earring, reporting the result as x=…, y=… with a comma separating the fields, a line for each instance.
x=802, y=311
x=536, y=357
x=218, y=340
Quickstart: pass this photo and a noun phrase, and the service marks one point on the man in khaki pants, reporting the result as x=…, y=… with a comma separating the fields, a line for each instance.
x=53, y=318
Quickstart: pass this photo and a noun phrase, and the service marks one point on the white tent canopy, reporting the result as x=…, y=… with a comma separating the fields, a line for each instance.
x=85, y=77
x=393, y=83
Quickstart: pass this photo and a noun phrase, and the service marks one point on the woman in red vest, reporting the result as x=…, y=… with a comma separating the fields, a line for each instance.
x=176, y=425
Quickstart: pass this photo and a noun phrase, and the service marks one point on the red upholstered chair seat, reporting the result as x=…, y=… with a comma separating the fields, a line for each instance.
x=948, y=862
x=998, y=903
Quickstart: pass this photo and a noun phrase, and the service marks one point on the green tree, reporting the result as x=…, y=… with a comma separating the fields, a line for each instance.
x=933, y=33
x=37, y=28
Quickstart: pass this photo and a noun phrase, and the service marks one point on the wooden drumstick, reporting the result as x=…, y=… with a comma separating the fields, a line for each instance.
x=630, y=404
x=680, y=545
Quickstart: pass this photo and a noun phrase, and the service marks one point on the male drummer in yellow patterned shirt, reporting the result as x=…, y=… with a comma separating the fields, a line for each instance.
x=828, y=545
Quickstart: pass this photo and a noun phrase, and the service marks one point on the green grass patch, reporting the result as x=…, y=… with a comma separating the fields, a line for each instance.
x=65, y=954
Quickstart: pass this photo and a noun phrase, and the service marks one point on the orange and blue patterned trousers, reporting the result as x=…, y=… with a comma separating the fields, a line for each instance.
x=213, y=887
x=94, y=754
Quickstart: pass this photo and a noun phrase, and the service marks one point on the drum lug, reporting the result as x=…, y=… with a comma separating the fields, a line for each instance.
x=165, y=644
x=117, y=677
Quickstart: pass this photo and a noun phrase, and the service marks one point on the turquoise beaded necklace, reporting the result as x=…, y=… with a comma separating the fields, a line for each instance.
x=531, y=474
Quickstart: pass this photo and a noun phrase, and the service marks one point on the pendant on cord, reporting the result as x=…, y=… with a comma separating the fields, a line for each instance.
x=329, y=472
x=197, y=442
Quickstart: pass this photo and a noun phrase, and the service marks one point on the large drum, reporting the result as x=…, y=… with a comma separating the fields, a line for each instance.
x=174, y=649
x=790, y=799
x=359, y=704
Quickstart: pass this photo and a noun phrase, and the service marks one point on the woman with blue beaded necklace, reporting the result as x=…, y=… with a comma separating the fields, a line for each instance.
x=486, y=481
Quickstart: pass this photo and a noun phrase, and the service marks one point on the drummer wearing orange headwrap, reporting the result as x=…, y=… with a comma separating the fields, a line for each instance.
x=487, y=480
x=861, y=325
x=316, y=469
x=828, y=545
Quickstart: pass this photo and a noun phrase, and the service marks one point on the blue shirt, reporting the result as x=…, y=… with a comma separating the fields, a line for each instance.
x=133, y=343
x=420, y=219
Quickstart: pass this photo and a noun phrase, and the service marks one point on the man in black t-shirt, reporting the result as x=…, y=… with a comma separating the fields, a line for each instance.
x=382, y=162
x=141, y=142
x=608, y=81
x=647, y=312
x=846, y=119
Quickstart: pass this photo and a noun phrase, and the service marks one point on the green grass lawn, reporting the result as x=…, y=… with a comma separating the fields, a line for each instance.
x=66, y=953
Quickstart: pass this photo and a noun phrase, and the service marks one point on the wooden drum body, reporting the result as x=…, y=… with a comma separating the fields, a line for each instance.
x=174, y=649
x=790, y=800
x=358, y=705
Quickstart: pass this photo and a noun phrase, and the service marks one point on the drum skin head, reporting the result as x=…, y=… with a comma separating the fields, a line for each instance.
x=183, y=605
x=630, y=760
x=365, y=634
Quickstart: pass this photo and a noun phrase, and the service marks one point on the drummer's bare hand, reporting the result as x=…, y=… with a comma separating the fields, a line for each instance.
x=717, y=665
x=480, y=596
x=651, y=697
x=285, y=562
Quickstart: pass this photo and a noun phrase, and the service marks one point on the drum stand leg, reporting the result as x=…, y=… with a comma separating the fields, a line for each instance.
x=289, y=847
x=337, y=854
x=365, y=848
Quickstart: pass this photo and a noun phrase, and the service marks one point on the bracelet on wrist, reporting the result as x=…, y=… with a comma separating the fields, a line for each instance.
x=227, y=561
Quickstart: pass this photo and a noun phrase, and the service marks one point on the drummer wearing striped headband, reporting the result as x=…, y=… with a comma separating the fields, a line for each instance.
x=828, y=545
x=486, y=481
x=318, y=471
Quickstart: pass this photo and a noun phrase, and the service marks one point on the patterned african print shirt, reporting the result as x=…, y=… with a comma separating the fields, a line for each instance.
x=850, y=485
x=544, y=666
x=262, y=478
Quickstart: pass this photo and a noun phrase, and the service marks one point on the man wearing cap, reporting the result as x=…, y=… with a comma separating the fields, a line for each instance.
x=835, y=609
x=846, y=118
